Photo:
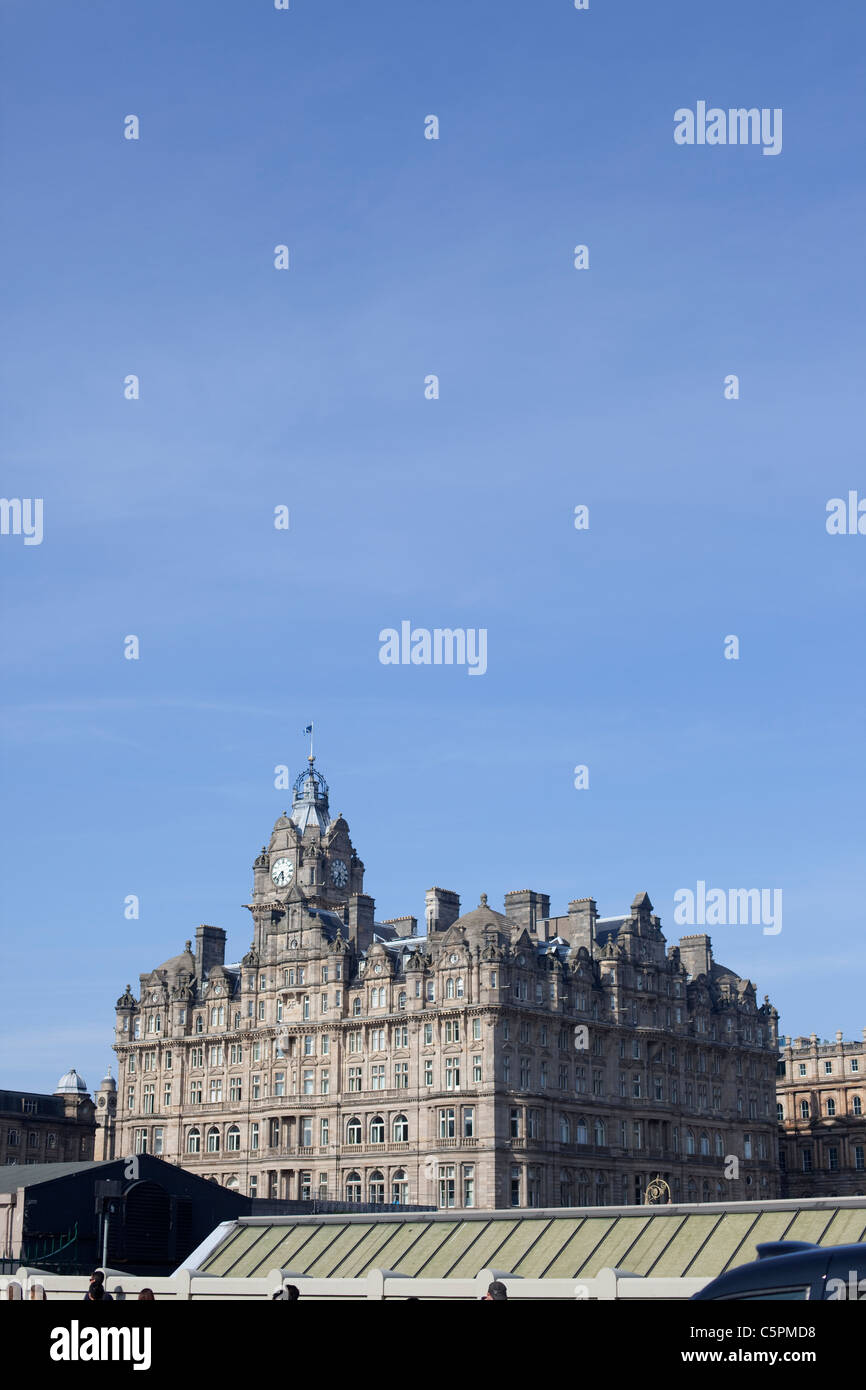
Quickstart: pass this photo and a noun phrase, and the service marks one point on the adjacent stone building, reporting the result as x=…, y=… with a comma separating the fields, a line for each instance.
x=821, y=1094
x=37, y=1128
x=496, y=1059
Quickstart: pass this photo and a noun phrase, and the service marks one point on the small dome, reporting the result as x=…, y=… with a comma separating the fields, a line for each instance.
x=71, y=1084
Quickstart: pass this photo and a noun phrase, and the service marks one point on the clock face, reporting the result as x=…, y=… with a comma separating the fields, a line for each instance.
x=282, y=871
x=339, y=873
x=453, y=957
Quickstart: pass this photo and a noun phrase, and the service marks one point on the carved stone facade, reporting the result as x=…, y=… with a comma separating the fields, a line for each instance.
x=501, y=1059
x=821, y=1092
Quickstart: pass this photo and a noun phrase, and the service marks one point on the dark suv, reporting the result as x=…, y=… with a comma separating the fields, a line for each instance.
x=795, y=1269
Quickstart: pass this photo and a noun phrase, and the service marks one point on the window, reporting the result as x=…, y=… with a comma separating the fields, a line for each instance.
x=130, y=1066
x=476, y=1069
x=859, y=1157
x=401, y=999
x=257, y=1087
x=468, y=1185
x=216, y=1054
x=233, y=1139
x=140, y=1141
x=130, y=1097
x=428, y=1034
x=690, y=1141
x=324, y=1132
x=515, y=1187
x=305, y=1186
x=235, y=1088
x=324, y=1082
x=476, y=1029
x=261, y=1011
x=468, y=1121
x=399, y=1188
x=452, y=1073
x=449, y=989
x=353, y=1133
x=599, y=1133
x=428, y=1072
x=833, y=1158
x=356, y=1010
x=804, y=1110
x=801, y=1069
x=279, y=1083
x=806, y=1157
x=780, y=1112
x=831, y=1107
x=857, y=1106
x=306, y=1132
x=354, y=1078
x=254, y=1136
x=193, y=1141
x=377, y=1076
x=401, y=1036
x=305, y=1006
x=635, y=1085
x=855, y=1064
x=377, y=1130
x=506, y=1070
x=216, y=1090
x=564, y=1130
x=157, y=1140
x=353, y=1187
x=401, y=1076
x=254, y=1186
x=308, y=1081
x=828, y=1068
x=377, y=1040
x=447, y=1129
x=493, y=979
x=514, y=1123
x=452, y=1030
x=400, y=1129
x=149, y=1098
x=195, y=1093
x=447, y=1194
x=309, y=1044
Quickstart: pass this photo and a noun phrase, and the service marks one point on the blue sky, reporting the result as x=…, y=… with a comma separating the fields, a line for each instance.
x=306, y=388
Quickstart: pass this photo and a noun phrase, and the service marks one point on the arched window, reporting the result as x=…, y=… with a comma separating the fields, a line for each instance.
x=353, y=1187
x=449, y=988
x=719, y=1192
x=199, y=1023
x=705, y=1144
x=356, y=1008
x=232, y=1184
x=780, y=1112
x=377, y=1133
x=213, y=1140
x=233, y=1139
x=399, y=1188
x=582, y=1132
x=193, y=1142
x=377, y=1187
x=401, y=1129
x=857, y=1106
x=401, y=999
x=599, y=1132
x=600, y=1190
x=583, y=1188
x=692, y=1191
x=353, y=1133
x=459, y=986
x=804, y=1109
x=564, y=1187
x=676, y=1139
x=690, y=1141
x=564, y=1130
x=831, y=1107
x=720, y=1146
x=705, y=1197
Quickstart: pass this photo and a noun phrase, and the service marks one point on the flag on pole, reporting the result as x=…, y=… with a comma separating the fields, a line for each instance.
x=308, y=729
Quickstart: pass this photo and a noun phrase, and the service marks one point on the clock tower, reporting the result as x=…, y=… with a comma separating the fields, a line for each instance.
x=310, y=857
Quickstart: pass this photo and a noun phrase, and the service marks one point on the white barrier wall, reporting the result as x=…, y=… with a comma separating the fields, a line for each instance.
x=378, y=1284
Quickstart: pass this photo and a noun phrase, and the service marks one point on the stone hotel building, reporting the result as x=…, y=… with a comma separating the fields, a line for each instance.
x=494, y=1059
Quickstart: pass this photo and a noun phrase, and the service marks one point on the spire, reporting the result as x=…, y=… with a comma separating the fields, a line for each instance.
x=310, y=795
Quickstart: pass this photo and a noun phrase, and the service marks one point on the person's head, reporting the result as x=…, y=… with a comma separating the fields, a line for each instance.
x=147, y=1295
x=97, y=1291
x=97, y=1277
x=497, y=1292
x=292, y=1292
